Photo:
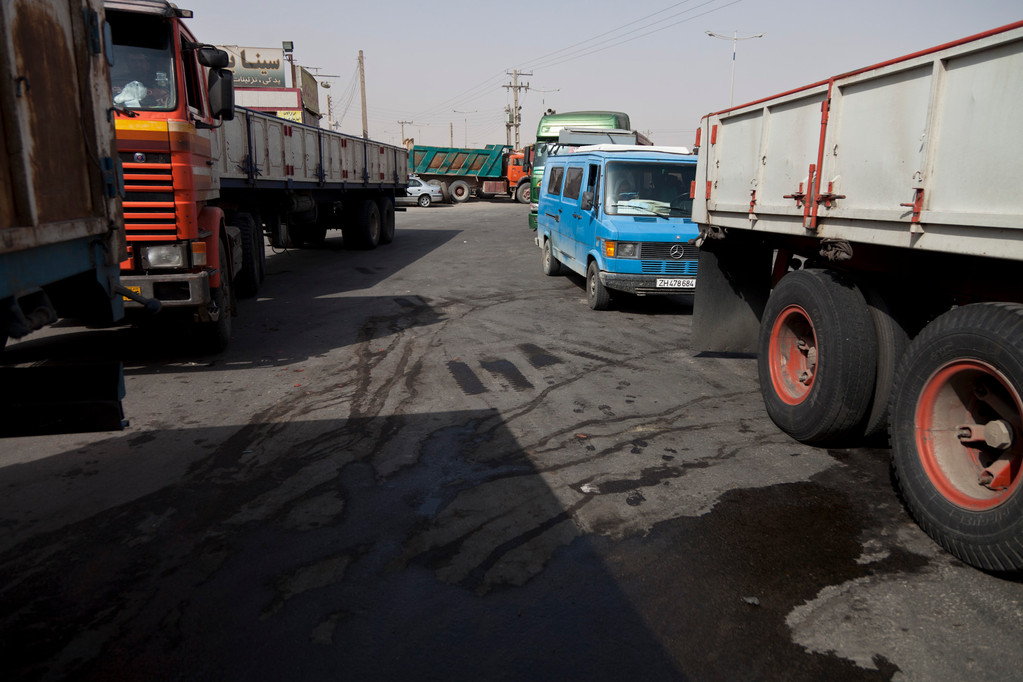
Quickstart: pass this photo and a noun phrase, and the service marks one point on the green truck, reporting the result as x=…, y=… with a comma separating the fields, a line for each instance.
x=567, y=131
x=493, y=170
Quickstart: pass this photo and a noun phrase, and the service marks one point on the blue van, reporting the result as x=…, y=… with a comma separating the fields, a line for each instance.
x=622, y=217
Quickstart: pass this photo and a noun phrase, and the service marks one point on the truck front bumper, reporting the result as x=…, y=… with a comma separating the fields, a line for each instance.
x=647, y=284
x=172, y=290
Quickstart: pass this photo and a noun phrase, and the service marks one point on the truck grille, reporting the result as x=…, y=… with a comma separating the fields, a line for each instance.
x=149, y=197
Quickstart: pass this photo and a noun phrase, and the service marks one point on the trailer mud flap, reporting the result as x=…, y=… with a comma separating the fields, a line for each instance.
x=47, y=400
x=735, y=281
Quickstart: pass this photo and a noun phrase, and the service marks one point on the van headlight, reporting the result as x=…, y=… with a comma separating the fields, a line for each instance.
x=628, y=249
x=164, y=256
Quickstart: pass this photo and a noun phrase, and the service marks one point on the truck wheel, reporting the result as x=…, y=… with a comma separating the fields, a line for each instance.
x=366, y=233
x=957, y=433
x=459, y=190
x=892, y=341
x=817, y=356
x=597, y=294
x=551, y=265
x=522, y=193
x=386, y=209
x=247, y=279
x=424, y=200
x=214, y=336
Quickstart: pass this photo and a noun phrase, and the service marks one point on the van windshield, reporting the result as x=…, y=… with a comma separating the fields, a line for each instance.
x=648, y=188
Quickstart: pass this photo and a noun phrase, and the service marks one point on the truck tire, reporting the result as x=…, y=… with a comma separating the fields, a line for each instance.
x=522, y=193
x=597, y=294
x=892, y=342
x=365, y=233
x=386, y=208
x=963, y=372
x=215, y=335
x=459, y=190
x=247, y=280
x=551, y=265
x=817, y=356
x=424, y=200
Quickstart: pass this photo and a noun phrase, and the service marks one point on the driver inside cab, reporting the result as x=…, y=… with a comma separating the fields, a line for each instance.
x=141, y=83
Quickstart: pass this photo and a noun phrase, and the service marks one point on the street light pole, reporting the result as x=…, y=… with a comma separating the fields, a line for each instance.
x=466, y=130
x=735, y=39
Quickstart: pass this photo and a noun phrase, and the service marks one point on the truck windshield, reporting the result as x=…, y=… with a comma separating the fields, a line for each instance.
x=648, y=188
x=142, y=76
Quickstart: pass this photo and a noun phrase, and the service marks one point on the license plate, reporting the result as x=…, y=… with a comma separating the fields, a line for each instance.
x=137, y=290
x=664, y=283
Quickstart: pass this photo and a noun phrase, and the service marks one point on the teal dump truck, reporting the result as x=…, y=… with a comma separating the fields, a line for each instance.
x=493, y=170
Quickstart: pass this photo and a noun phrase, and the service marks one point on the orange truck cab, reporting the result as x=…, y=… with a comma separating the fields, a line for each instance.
x=170, y=93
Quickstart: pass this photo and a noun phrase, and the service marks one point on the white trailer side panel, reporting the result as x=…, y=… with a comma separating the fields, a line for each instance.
x=921, y=152
x=272, y=149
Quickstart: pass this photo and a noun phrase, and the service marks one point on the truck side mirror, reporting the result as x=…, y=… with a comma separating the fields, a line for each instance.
x=221, y=87
x=212, y=57
x=587, y=202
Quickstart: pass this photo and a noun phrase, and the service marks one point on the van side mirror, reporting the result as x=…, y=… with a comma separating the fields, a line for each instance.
x=212, y=57
x=587, y=202
x=221, y=87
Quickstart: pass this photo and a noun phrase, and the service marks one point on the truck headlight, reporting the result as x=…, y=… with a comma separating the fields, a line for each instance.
x=164, y=256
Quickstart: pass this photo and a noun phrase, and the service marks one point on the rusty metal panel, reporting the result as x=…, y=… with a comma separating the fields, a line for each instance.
x=54, y=110
x=54, y=125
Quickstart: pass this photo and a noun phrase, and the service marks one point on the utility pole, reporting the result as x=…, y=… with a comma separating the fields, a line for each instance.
x=735, y=38
x=362, y=87
x=515, y=87
x=452, y=126
x=402, y=124
x=508, y=121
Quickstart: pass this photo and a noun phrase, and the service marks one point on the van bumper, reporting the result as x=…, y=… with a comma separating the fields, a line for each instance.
x=646, y=284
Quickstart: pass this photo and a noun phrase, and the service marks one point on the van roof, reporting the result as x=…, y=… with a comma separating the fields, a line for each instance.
x=656, y=149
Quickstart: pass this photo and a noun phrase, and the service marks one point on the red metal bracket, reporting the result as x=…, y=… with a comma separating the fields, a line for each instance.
x=752, y=200
x=918, y=203
x=829, y=196
x=798, y=195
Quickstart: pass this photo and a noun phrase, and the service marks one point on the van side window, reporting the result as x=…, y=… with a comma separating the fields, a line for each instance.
x=573, y=182
x=554, y=185
x=591, y=182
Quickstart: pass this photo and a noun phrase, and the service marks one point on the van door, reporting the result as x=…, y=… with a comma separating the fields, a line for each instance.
x=551, y=216
x=585, y=222
x=571, y=214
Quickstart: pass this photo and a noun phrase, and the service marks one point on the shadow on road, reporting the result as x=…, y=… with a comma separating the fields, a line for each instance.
x=418, y=547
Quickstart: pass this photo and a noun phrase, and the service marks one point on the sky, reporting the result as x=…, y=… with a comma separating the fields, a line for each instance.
x=442, y=67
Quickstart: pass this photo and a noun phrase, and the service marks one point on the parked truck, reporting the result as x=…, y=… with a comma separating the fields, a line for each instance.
x=864, y=235
x=204, y=182
x=494, y=169
x=567, y=131
x=61, y=231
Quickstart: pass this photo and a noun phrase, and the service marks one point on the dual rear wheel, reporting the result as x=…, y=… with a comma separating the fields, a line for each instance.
x=836, y=365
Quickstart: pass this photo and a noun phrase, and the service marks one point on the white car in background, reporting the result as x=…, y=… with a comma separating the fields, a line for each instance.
x=423, y=193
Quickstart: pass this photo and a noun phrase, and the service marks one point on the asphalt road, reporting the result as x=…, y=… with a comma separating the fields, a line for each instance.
x=432, y=462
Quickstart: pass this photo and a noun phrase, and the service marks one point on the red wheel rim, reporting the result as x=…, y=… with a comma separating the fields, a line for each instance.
x=968, y=393
x=792, y=355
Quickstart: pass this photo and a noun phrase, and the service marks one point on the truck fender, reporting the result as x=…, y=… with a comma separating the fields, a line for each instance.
x=212, y=224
